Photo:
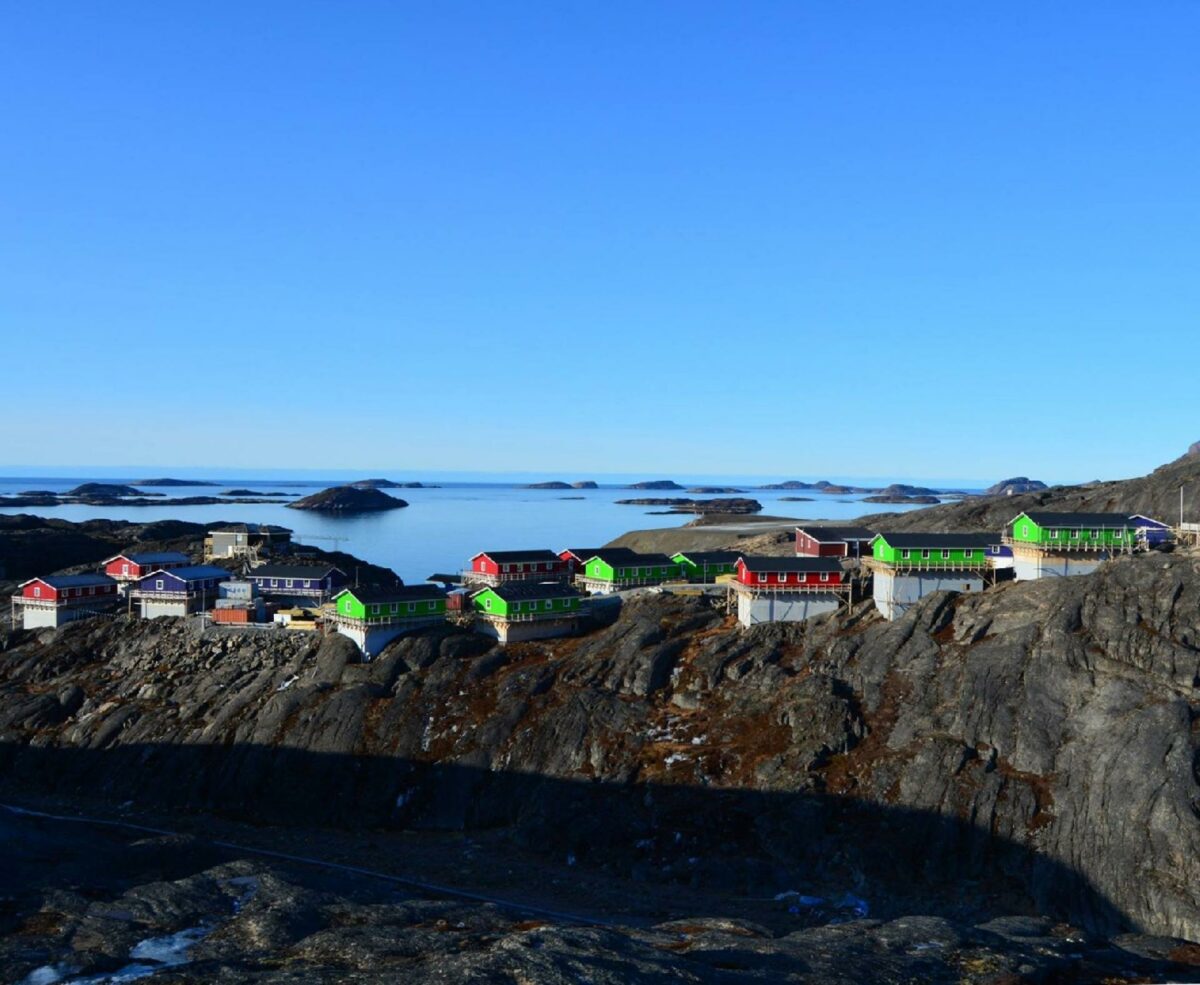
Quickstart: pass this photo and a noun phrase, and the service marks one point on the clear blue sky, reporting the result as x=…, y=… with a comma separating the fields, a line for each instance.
x=587, y=237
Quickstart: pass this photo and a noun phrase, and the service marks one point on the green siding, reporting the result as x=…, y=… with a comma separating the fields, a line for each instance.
x=352, y=608
x=499, y=607
x=1025, y=531
x=968, y=557
x=692, y=571
x=596, y=569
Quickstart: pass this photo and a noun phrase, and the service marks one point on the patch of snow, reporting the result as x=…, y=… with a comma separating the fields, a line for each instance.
x=288, y=683
x=168, y=951
x=248, y=885
x=675, y=757
x=47, y=974
x=799, y=898
x=855, y=904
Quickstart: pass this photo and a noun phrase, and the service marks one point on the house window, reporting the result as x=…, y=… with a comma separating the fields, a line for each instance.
x=1054, y=535
x=762, y=577
x=412, y=606
x=1024, y=529
x=374, y=610
x=945, y=555
x=395, y=608
x=158, y=584
x=124, y=569
x=925, y=554
x=1074, y=535
x=432, y=606
x=968, y=554
x=1095, y=535
x=487, y=603
x=824, y=576
x=288, y=583
x=906, y=554
x=37, y=592
x=548, y=604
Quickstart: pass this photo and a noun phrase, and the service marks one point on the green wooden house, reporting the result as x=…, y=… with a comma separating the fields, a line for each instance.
x=373, y=617
x=387, y=605
x=528, y=600
x=705, y=566
x=958, y=552
x=614, y=569
x=1074, y=531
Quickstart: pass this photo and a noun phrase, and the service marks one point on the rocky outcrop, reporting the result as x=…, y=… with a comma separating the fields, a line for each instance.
x=1032, y=742
x=547, y=485
x=1154, y=495
x=734, y=506
x=657, y=484
x=104, y=490
x=899, y=498
x=348, y=499
x=174, y=482
x=220, y=914
x=1014, y=486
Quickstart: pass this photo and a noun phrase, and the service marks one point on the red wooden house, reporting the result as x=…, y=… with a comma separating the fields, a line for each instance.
x=795, y=574
x=56, y=599
x=497, y=567
x=574, y=559
x=823, y=541
x=133, y=565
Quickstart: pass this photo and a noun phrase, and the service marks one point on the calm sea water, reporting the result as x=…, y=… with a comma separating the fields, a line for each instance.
x=442, y=527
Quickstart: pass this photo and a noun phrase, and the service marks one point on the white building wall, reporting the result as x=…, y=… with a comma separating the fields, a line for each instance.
x=43, y=617
x=778, y=607
x=374, y=638
x=1031, y=565
x=519, y=632
x=158, y=608
x=895, y=593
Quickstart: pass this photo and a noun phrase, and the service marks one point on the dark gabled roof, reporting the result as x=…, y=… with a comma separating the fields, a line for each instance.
x=789, y=564
x=518, y=557
x=1148, y=521
x=836, y=535
x=520, y=591
x=708, y=557
x=373, y=594
x=71, y=581
x=249, y=528
x=939, y=541
x=195, y=572
x=293, y=571
x=150, y=557
x=582, y=553
x=1076, y=519
x=624, y=557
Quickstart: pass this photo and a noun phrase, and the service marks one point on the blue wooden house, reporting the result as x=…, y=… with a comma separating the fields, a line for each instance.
x=179, y=591
x=311, y=583
x=1149, y=531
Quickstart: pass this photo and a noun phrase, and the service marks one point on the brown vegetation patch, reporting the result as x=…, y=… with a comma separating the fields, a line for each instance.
x=847, y=771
